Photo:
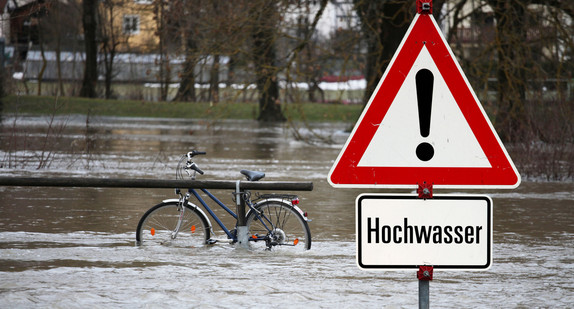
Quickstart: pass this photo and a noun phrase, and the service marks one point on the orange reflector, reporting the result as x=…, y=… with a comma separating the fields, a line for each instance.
x=254, y=236
x=152, y=231
x=296, y=241
x=193, y=228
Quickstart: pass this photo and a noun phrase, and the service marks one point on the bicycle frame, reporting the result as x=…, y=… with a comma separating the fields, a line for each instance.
x=222, y=205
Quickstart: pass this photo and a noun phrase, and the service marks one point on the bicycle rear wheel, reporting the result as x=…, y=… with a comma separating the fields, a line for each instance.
x=158, y=225
x=278, y=225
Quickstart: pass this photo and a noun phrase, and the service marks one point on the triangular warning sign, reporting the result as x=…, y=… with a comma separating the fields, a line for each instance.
x=424, y=123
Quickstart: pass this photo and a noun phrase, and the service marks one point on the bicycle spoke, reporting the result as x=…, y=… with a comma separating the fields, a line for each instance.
x=159, y=227
x=280, y=225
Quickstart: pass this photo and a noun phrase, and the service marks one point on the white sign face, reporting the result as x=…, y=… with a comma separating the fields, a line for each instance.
x=452, y=139
x=405, y=232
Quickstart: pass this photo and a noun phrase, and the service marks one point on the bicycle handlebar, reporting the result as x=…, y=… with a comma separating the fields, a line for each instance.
x=196, y=168
x=190, y=164
x=193, y=153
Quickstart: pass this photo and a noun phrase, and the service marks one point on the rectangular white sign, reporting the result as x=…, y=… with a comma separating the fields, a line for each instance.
x=405, y=232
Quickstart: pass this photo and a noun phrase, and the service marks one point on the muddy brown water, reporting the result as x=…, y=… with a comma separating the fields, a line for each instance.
x=74, y=247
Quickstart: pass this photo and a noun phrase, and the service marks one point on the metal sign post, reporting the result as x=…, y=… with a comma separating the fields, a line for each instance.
x=425, y=277
x=242, y=230
x=424, y=274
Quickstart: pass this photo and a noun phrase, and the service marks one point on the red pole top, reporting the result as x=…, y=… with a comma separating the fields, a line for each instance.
x=424, y=6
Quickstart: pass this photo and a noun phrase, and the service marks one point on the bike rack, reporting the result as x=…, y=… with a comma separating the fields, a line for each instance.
x=238, y=186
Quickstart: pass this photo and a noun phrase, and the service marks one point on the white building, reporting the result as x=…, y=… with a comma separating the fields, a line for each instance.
x=338, y=14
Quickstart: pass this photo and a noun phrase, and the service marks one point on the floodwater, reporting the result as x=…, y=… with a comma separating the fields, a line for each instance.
x=74, y=247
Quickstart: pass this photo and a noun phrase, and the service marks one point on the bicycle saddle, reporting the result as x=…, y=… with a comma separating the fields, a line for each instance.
x=252, y=175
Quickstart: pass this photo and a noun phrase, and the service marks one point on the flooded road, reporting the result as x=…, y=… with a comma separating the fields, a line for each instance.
x=74, y=247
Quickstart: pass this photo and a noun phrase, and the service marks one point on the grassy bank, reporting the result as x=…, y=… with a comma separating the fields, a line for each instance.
x=131, y=108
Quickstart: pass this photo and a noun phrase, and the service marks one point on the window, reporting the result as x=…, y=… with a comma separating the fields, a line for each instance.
x=131, y=24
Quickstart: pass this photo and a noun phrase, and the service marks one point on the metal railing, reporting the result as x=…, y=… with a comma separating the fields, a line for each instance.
x=151, y=183
x=237, y=186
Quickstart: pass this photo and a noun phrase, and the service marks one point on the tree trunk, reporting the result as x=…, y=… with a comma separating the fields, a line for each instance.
x=44, y=63
x=384, y=24
x=164, y=62
x=88, y=89
x=264, y=57
x=109, y=43
x=231, y=71
x=186, y=91
x=59, y=67
x=2, y=48
x=214, y=80
x=512, y=55
x=109, y=67
x=56, y=11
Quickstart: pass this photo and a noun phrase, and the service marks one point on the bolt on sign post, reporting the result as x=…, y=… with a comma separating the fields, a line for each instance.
x=424, y=128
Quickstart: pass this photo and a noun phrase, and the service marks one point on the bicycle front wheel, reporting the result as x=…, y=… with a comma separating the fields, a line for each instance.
x=159, y=227
x=278, y=225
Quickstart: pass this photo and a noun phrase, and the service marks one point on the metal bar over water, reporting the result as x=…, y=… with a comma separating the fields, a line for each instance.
x=151, y=183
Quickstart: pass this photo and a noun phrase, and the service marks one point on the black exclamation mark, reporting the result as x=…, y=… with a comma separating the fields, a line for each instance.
x=424, y=81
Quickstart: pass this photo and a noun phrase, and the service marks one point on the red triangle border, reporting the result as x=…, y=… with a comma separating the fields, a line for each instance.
x=346, y=173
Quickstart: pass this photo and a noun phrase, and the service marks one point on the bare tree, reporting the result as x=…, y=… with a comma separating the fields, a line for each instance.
x=265, y=17
x=513, y=54
x=520, y=46
x=58, y=34
x=265, y=32
x=307, y=53
x=184, y=20
x=187, y=22
x=384, y=23
x=247, y=34
x=110, y=38
x=51, y=28
x=518, y=54
x=161, y=19
x=207, y=31
x=89, y=21
x=44, y=60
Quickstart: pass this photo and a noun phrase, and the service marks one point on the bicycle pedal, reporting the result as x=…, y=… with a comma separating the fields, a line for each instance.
x=233, y=232
x=211, y=241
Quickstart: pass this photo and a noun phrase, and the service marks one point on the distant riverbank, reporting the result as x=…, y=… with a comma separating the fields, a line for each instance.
x=14, y=104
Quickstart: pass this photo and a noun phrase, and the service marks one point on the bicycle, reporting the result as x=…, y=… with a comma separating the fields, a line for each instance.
x=272, y=220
